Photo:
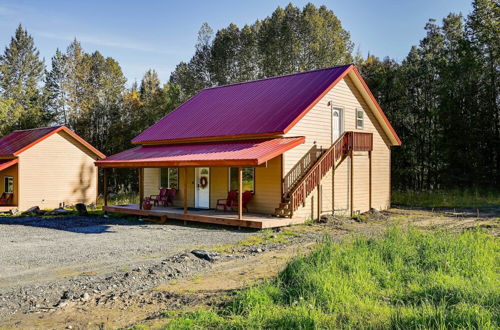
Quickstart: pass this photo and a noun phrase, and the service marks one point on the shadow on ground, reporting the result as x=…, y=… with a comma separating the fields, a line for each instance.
x=97, y=224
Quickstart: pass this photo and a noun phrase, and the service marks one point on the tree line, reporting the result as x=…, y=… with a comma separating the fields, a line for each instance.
x=443, y=98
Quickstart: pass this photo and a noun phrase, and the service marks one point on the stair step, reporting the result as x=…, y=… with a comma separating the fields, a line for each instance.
x=284, y=205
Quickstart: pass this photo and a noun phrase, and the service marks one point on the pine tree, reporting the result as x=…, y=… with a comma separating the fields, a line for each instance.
x=55, y=91
x=21, y=72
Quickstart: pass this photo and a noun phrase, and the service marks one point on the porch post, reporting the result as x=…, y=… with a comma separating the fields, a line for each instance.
x=105, y=185
x=370, y=181
x=184, y=172
x=141, y=187
x=240, y=193
x=352, y=184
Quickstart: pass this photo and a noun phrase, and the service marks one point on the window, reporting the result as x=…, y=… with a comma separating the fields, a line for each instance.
x=8, y=184
x=360, y=121
x=248, y=179
x=169, y=177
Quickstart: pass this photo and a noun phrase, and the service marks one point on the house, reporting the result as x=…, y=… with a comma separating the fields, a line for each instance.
x=46, y=167
x=304, y=144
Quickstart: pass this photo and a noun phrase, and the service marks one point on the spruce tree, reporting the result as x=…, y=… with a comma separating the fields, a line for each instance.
x=21, y=72
x=55, y=99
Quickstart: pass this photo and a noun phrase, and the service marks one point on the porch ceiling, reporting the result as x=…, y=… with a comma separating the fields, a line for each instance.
x=6, y=163
x=229, y=153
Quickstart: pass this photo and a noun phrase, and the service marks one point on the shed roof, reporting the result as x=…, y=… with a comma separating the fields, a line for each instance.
x=18, y=141
x=228, y=153
x=260, y=108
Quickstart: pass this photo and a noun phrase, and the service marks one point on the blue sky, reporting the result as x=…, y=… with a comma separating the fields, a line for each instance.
x=158, y=34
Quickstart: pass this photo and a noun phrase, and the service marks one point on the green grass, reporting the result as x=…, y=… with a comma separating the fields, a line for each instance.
x=447, y=198
x=404, y=280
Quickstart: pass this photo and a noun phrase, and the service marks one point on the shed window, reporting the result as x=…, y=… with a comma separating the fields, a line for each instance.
x=360, y=119
x=8, y=184
x=248, y=179
x=169, y=177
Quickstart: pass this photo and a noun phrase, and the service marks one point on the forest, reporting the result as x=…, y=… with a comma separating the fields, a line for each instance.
x=443, y=98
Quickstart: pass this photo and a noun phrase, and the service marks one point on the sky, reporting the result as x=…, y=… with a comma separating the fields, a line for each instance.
x=147, y=34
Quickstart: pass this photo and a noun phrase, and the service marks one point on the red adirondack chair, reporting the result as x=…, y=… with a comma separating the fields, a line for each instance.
x=227, y=202
x=169, y=198
x=246, y=197
x=6, y=198
x=156, y=199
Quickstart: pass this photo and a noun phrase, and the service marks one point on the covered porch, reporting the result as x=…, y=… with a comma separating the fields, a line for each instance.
x=9, y=174
x=204, y=174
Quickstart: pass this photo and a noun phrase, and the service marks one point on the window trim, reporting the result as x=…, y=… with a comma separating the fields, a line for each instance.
x=5, y=185
x=229, y=178
x=362, y=118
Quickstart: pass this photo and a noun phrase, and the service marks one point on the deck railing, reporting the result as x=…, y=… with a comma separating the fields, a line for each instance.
x=349, y=141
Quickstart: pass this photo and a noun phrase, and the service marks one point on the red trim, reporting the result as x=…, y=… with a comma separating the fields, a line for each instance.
x=310, y=106
x=377, y=106
x=8, y=164
x=71, y=133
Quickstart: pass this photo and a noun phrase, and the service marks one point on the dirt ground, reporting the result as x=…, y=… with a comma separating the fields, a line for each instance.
x=237, y=266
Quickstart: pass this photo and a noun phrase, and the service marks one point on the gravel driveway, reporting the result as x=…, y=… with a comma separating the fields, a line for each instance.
x=36, y=249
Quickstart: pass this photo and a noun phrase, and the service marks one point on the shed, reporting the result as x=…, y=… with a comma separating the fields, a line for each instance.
x=47, y=167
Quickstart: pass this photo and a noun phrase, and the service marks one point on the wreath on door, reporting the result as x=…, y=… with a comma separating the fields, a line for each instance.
x=203, y=182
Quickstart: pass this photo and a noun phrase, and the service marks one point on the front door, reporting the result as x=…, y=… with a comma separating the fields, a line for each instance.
x=202, y=184
x=336, y=124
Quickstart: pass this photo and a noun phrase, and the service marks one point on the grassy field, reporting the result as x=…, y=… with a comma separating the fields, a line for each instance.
x=447, y=198
x=405, y=279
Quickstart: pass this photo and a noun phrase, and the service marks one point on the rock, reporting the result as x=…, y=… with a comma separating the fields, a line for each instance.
x=65, y=295
x=85, y=296
x=206, y=255
x=258, y=250
x=59, y=211
x=33, y=209
x=323, y=219
x=81, y=209
x=62, y=303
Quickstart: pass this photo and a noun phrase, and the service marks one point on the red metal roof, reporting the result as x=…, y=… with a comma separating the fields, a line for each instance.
x=6, y=163
x=18, y=141
x=230, y=153
x=255, y=108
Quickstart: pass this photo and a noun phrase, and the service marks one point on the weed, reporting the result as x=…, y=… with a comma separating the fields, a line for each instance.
x=404, y=279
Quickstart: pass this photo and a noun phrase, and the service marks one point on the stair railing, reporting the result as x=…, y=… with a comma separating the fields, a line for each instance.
x=348, y=141
x=300, y=168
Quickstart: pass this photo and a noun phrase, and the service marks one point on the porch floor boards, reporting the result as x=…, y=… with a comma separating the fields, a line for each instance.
x=250, y=220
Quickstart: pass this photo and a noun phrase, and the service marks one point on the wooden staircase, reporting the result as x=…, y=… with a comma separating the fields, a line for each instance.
x=295, y=196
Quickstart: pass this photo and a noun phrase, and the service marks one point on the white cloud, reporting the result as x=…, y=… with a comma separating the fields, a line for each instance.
x=124, y=44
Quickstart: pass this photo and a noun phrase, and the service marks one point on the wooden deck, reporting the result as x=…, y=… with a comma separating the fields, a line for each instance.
x=250, y=220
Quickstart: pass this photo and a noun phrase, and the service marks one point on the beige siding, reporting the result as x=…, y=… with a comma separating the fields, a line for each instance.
x=316, y=127
x=267, y=187
x=151, y=181
x=56, y=170
x=219, y=184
